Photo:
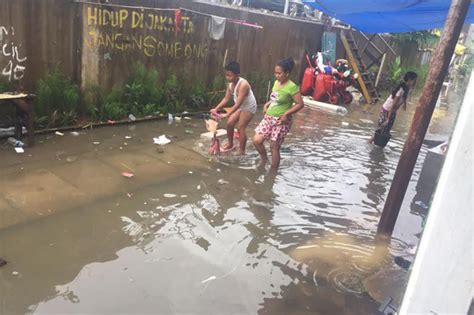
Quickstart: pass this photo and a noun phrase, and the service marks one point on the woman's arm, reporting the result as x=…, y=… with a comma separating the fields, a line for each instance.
x=297, y=106
x=223, y=102
x=265, y=107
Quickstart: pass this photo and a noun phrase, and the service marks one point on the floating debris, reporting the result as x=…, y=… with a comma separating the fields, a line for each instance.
x=127, y=174
x=209, y=279
x=161, y=140
x=169, y=195
x=57, y=133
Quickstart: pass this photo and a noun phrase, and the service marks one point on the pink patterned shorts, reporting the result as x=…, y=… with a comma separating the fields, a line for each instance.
x=272, y=130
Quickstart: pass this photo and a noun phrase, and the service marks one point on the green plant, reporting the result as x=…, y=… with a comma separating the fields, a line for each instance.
x=426, y=38
x=56, y=94
x=394, y=71
x=468, y=64
x=93, y=99
x=260, y=85
x=198, y=98
x=142, y=89
x=173, y=101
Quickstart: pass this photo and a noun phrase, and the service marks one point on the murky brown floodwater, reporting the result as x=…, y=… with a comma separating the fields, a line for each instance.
x=220, y=237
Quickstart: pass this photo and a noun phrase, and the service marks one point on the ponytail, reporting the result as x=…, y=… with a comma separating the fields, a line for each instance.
x=286, y=64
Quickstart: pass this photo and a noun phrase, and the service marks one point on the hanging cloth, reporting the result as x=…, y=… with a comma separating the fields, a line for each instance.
x=177, y=20
x=216, y=27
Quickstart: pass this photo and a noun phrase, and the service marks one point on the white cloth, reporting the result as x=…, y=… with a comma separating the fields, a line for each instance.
x=216, y=27
x=249, y=104
x=389, y=103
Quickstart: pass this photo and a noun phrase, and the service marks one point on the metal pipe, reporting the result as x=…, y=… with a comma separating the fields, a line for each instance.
x=287, y=7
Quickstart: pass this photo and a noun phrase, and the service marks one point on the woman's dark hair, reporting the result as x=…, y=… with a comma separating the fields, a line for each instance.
x=410, y=75
x=233, y=67
x=286, y=64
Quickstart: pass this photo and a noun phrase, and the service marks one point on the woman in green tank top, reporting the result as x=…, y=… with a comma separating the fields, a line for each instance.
x=285, y=101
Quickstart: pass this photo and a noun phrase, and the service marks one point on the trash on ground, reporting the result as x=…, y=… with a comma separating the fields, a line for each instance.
x=209, y=279
x=110, y=121
x=96, y=142
x=15, y=273
x=187, y=118
x=127, y=174
x=170, y=117
x=222, y=182
x=169, y=195
x=19, y=150
x=128, y=137
x=57, y=133
x=15, y=143
x=71, y=159
x=161, y=140
x=132, y=117
x=177, y=118
x=366, y=121
x=421, y=204
x=198, y=187
x=190, y=172
x=129, y=195
x=74, y=133
x=345, y=124
x=190, y=132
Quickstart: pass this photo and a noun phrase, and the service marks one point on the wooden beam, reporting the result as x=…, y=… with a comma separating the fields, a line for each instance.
x=382, y=64
x=422, y=117
x=355, y=67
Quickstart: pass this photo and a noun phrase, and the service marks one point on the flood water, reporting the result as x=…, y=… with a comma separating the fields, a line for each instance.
x=209, y=236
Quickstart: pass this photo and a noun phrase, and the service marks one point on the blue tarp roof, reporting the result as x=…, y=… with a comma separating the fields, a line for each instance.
x=389, y=16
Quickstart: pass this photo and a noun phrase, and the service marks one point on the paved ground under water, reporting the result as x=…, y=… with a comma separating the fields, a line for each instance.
x=193, y=235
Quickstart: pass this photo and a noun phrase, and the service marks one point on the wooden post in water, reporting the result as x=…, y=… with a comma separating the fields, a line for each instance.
x=424, y=110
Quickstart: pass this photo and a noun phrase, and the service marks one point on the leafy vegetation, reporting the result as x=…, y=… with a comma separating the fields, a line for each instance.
x=57, y=99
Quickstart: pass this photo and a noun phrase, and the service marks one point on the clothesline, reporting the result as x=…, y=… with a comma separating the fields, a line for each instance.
x=124, y=6
x=240, y=22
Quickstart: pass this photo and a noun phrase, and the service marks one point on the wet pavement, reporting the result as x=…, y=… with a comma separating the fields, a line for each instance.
x=191, y=234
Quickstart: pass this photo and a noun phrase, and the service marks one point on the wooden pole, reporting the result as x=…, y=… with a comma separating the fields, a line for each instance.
x=424, y=110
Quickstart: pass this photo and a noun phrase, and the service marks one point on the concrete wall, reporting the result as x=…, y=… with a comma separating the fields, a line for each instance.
x=97, y=44
x=35, y=36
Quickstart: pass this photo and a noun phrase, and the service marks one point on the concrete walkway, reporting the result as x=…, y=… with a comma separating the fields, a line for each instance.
x=66, y=172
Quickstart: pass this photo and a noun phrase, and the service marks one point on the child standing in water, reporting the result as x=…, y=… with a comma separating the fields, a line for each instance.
x=245, y=106
x=397, y=98
x=285, y=101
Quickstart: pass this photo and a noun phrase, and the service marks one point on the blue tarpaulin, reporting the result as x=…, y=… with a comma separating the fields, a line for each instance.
x=389, y=16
